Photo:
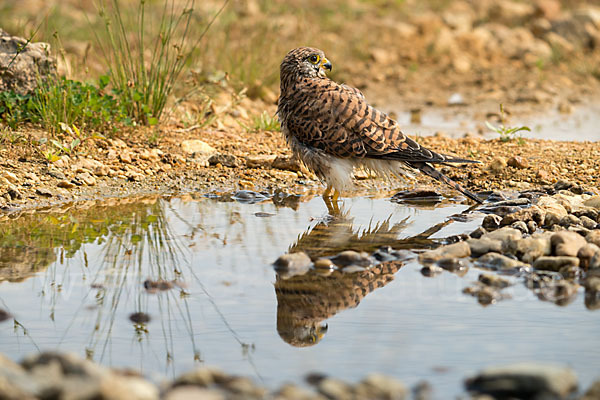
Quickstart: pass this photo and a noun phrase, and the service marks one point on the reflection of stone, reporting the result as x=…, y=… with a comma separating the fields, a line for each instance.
x=305, y=301
x=20, y=263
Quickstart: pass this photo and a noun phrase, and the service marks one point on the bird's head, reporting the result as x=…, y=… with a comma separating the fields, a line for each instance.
x=304, y=62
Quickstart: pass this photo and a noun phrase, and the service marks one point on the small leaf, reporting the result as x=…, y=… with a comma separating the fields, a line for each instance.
x=152, y=121
x=76, y=130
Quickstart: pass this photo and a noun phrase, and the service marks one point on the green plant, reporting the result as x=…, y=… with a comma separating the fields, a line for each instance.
x=266, y=122
x=507, y=134
x=144, y=66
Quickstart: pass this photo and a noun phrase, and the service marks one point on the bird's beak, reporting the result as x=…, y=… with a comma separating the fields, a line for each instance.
x=326, y=64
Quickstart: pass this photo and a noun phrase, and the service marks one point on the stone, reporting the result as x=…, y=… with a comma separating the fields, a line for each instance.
x=260, y=161
x=587, y=222
x=586, y=253
x=593, y=392
x=499, y=262
x=497, y=165
x=484, y=245
x=477, y=233
x=593, y=237
x=452, y=264
x=23, y=65
x=86, y=178
x=289, y=391
x=511, y=13
x=494, y=280
x=566, y=243
x=554, y=263
x=379, y=386
x=226, y=160
x=530, y=248
x=456, y=250
x=292, y=264
x=15, y=383
x=199, y=150
x=532, y=213
x=518, y=162
x=431, y=270
x=485, y=295
x=335, y=389
x=521, y=226
x=139, y=318
x=549, y=9
x=593, y=202
x=352, y=258
x=323, y=263
x=65, y=184
x=525, y=380
x=569, y=220
x=287, y=163
x=491, y=221
x=203, y=377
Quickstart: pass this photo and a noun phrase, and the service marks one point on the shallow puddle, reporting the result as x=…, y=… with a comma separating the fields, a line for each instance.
x=201, y=269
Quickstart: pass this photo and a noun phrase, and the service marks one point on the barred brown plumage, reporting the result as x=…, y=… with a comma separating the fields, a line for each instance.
x=332, y=128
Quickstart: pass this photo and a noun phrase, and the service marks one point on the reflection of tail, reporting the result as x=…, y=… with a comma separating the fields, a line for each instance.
x=434, y=173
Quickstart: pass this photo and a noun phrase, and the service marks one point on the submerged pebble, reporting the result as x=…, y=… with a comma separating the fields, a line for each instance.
x=139, y=318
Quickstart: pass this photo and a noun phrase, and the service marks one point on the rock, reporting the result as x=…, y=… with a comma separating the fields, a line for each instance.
x=335, y=389
x=226, y=160
x=491, y=221
x=484, y=245
x=292, y=264
x=532, y=227
x=505, y=235
x=559, y=43
x=525, y=380
x=485, y=295
x=243, y=387
x=352, y=258
x=554, y=263
x=459, y=16
x=456, y=250
x=248, y=197
x=23, y=64
x=477, y=233
x=199, y=150
x=549, y=9
x=203, y=377
x=323, y=263
x=569, y=220
x=511, y=13
x=193, y=393
x=530, y=248
x=497, y=165
x=139, y=318
x=520, y=226
x=431, y=270
x=566, y=243
x=15, y=383
x=287, y=163
x=44, y=192
x=86, y=178
x=290, y=391
x=586, y=253
x=587, y=222
x=593, y=202
x=592, y=292
x=65, y=184
x=452, y=264
x=499, y=262
x=379, y=386
x=260, y=161
x=532, y=213
x=494, y=281
x=518, y=162
x=593, y=392
x=593, y=237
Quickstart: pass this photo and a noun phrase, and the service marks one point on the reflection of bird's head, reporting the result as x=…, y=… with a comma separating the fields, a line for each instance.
x=300, y=335
x=304, y=62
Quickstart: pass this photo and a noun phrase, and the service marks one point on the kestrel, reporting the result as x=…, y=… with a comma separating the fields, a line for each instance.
x=332, y=128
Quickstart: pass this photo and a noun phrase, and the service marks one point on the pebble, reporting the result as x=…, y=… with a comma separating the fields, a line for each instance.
x=379, y=386
x=566, y=243
x=352, y=258
x=335, y=389
x=65, y=184
x=499, y=262
x=193, y=393
x=226, y=160
x=292, y=264
x=586, y=253
x=554, y=263
x=491, y=221
x=287, y=163
x=139, y=318
x=452, y=264
x=431, y=270
x=593, y=202
x=484, y=245
x=260, y=161
x=518, y=162
x=485, y=295
x=494, y=280
x=497, y=165
x=456, y=250
x=593, y=237
x=587, y=222
x=44, y=192
x=4, y=315
x=323, y=263
x=477, y=233
x=521, y=226
x=525, y=380
x=593, y=392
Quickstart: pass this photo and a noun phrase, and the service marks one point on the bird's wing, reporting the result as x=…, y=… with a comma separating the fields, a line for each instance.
x=337, y=119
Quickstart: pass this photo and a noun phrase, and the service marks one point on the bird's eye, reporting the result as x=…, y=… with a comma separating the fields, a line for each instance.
x=314, y=59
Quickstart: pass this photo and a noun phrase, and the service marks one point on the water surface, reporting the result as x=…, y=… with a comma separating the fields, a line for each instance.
x=72, y=277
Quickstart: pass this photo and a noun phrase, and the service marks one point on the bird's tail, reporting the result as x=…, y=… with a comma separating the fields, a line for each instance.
x=434, y=173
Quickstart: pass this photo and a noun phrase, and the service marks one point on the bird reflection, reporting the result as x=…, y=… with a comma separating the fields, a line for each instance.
x=305, y=299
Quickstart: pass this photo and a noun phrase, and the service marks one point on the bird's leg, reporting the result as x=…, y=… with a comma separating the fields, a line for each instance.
x=327, y=192
x=336, y=196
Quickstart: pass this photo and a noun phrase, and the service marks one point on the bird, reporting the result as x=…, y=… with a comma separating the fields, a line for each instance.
x=332, y=129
